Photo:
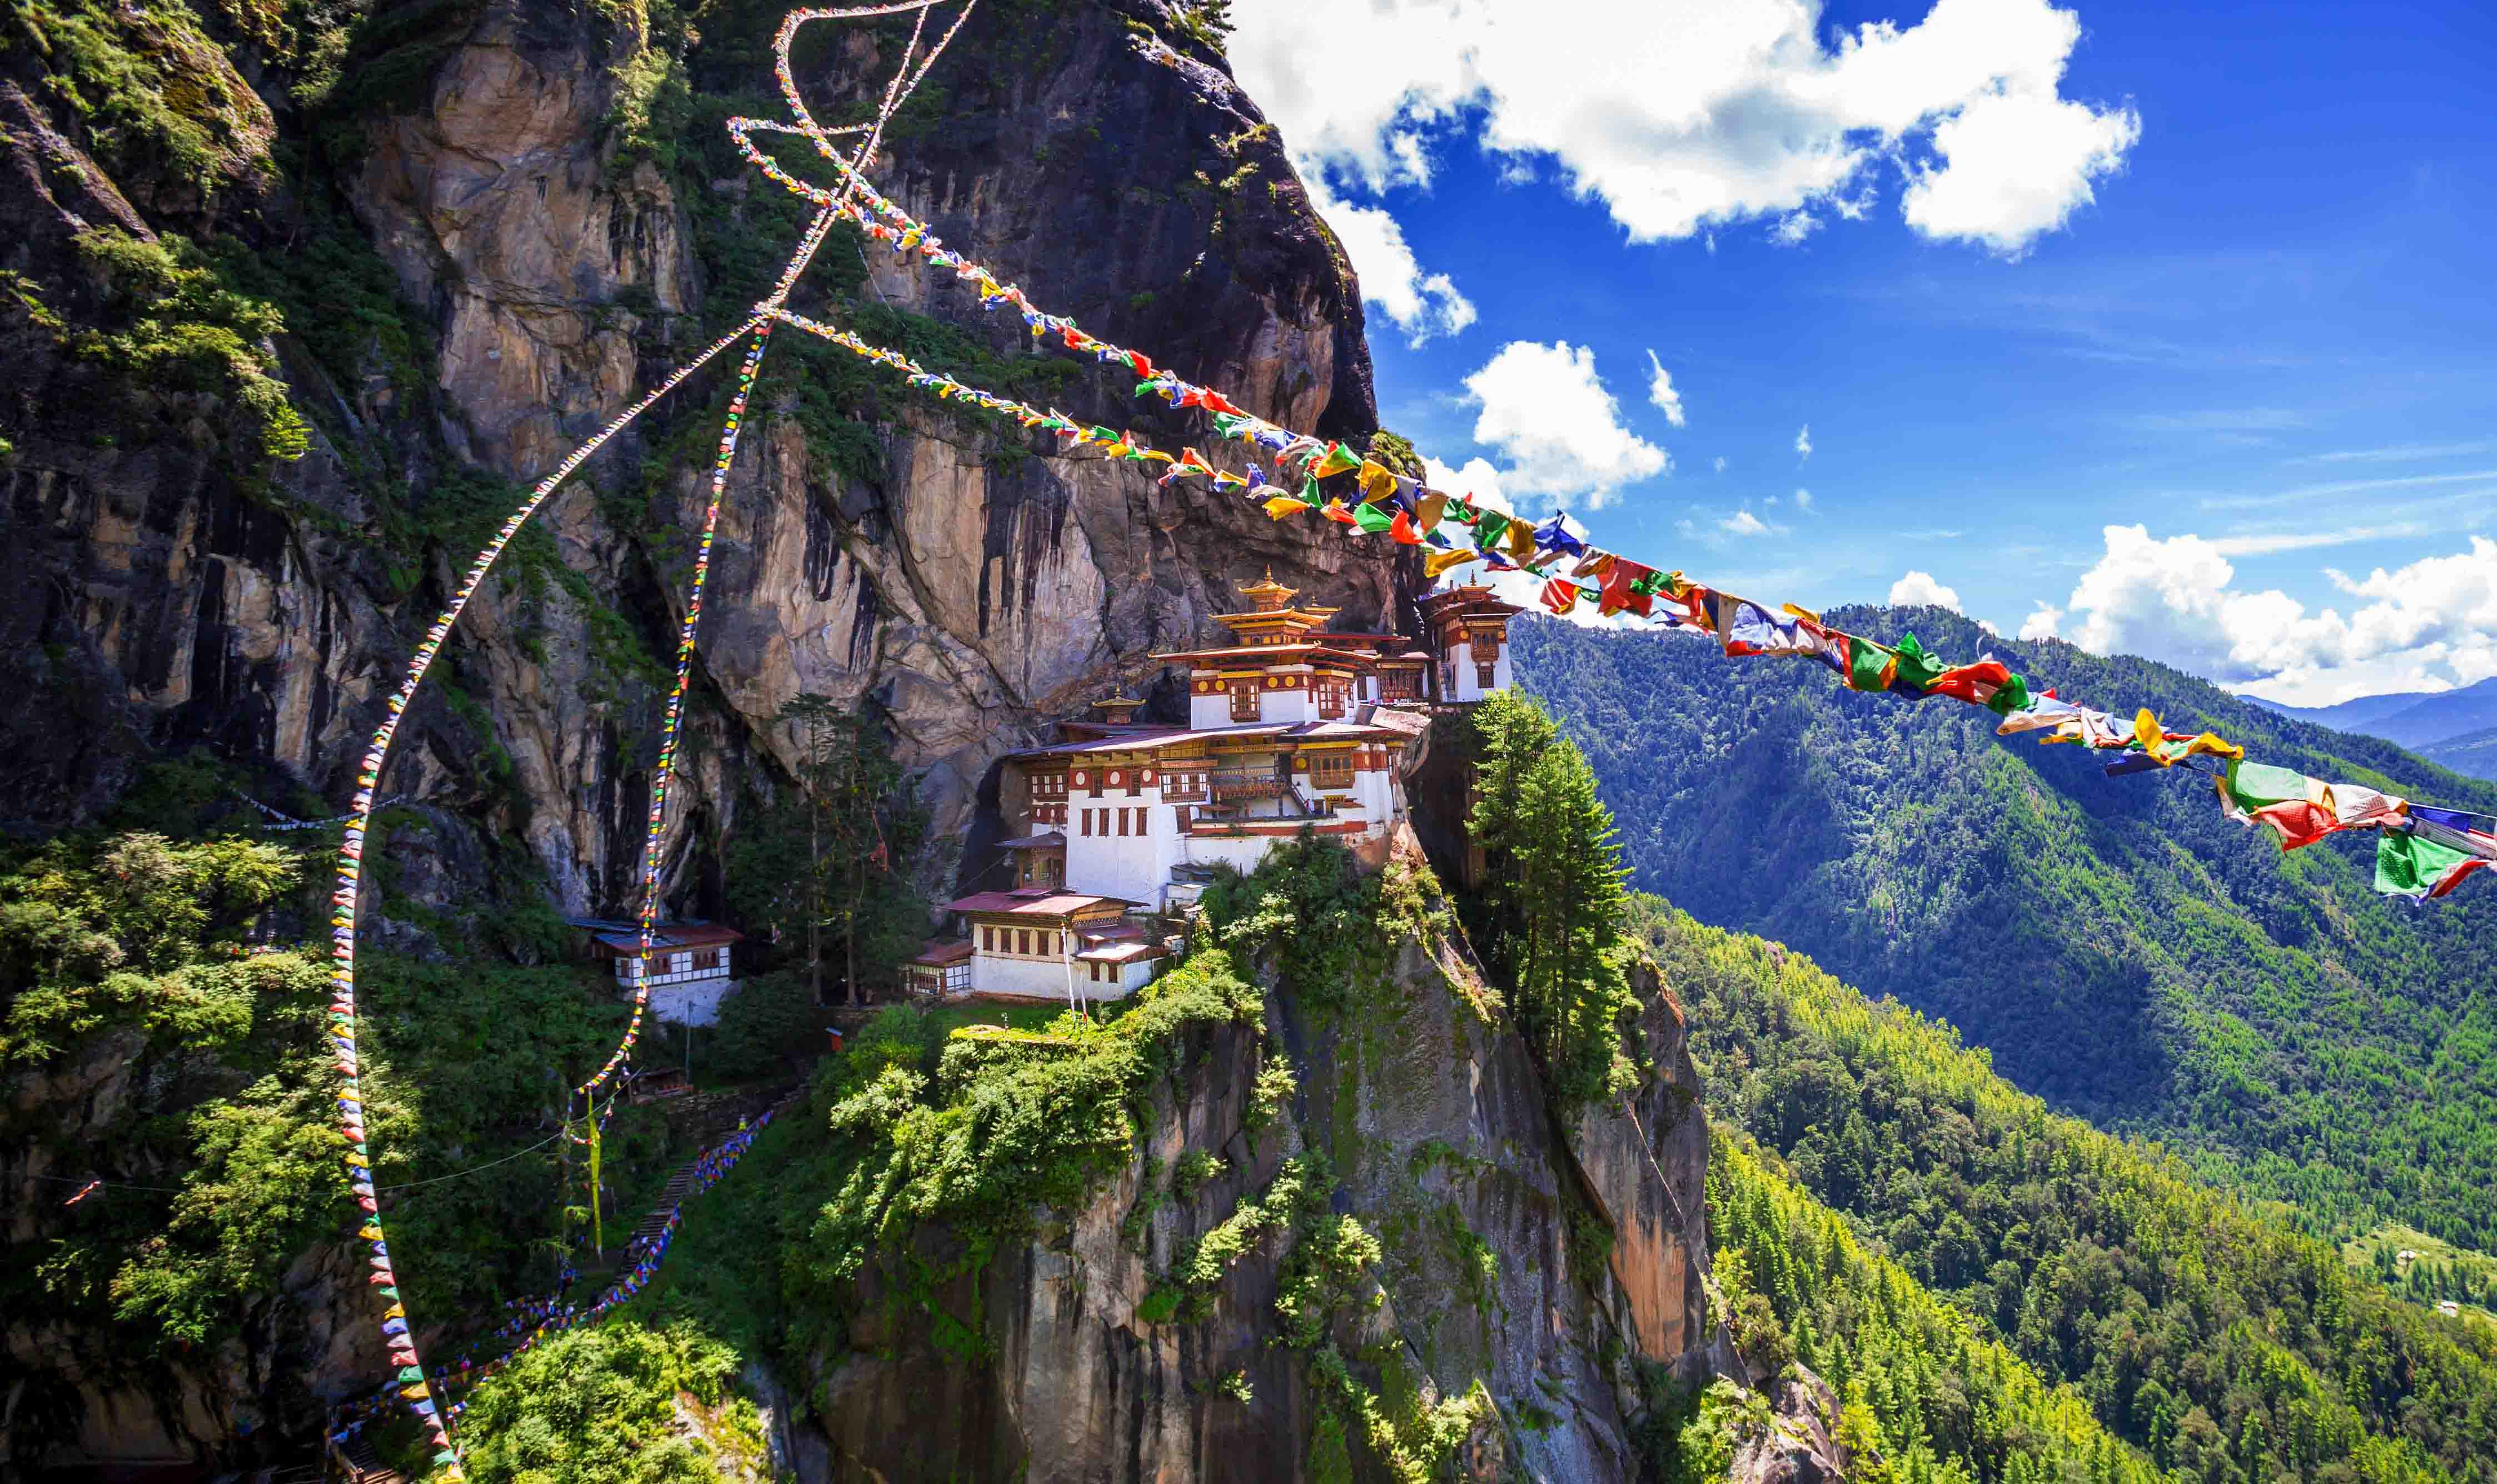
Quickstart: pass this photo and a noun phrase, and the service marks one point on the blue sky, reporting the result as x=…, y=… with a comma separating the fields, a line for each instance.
x=2032, y=276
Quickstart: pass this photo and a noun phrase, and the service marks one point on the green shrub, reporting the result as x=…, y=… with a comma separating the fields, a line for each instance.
x=1009, y=1128
x=604, y=1405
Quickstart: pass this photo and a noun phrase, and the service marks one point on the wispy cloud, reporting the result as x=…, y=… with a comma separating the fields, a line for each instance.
x=2400, y=453
x=2342, y=487
x=2217, y=420
x=2269, y=543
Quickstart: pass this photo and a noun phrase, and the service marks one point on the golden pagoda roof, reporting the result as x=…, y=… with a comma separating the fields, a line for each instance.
x=1268, y=594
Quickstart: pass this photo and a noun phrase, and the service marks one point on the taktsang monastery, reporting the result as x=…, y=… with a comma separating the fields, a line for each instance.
x=1119, y=823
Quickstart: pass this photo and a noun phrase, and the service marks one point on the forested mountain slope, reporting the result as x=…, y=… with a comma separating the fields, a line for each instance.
x=2121, y=948
x=2218, y=1342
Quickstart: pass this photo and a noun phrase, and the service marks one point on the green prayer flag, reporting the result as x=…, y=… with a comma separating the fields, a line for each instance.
x=2256, y=785
x=1487, y=530
x=2012, y=695
x=2407, y=865
x=1371, y=518
x=1916, y=667
x=1868, y=665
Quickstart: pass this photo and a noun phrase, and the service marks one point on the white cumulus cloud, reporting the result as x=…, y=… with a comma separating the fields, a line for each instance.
x=1477, y=481
x=1918, y=588
x=1803, y=442
x=2018, y=165
x=1721, y=464
x=1421, y=304
x=1661, y=391
x=2427, y=626
x=1715, y=113
x=1547, y=412
x=1803, y=499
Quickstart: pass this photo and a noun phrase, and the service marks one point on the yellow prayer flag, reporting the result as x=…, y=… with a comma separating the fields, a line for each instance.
x=1521, y=540
x=2214, y=744
x=1336, y=461
x=1440, y=561
x=2145, y=731
x=1376, y=482
x=1283, y=505
x=1434, y=509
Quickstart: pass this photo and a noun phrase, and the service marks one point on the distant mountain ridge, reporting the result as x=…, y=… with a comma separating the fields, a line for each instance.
x=2418, y=719
x=2120, y=946
x=2472, y=752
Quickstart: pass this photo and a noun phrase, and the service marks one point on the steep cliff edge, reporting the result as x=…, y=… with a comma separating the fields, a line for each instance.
x=1527, y=1286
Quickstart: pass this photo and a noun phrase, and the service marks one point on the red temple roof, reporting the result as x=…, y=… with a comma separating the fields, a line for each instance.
x=1034, y=902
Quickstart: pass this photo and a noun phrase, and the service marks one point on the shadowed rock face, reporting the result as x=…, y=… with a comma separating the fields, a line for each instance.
x=972, y=591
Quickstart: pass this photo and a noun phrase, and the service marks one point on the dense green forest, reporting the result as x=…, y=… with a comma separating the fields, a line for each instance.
x=2217, y=1341
x=2116, y=944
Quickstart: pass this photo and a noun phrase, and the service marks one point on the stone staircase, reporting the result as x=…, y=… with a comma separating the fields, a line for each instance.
x=710, y=1117
x=361, y=1466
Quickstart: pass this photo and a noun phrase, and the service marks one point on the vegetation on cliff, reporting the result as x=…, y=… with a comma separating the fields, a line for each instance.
x=622, y=1404
x=154, y=1039
x=1552, y=910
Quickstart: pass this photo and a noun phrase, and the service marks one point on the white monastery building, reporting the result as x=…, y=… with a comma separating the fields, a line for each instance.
x=1291, y=728
x=687, y=969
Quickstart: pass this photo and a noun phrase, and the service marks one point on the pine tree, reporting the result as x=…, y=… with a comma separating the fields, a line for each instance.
x=837, y=860
x=1566, y=865
x=1511, y=733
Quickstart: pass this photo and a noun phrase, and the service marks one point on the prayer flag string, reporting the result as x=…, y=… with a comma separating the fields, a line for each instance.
x=397, y=1335
x=2417, y=856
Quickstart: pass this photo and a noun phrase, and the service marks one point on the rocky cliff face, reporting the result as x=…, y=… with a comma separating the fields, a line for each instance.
x=427, y=249
x=1535, y=1264
x=173, y=588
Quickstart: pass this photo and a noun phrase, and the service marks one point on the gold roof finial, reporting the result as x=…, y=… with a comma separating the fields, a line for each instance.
x=1269, y=595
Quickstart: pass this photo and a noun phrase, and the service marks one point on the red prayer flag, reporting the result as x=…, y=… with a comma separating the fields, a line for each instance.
x=1402, y=528
x=1961, y=681
x=2297, y=822
x=1617, y=593
x=1336, y=512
